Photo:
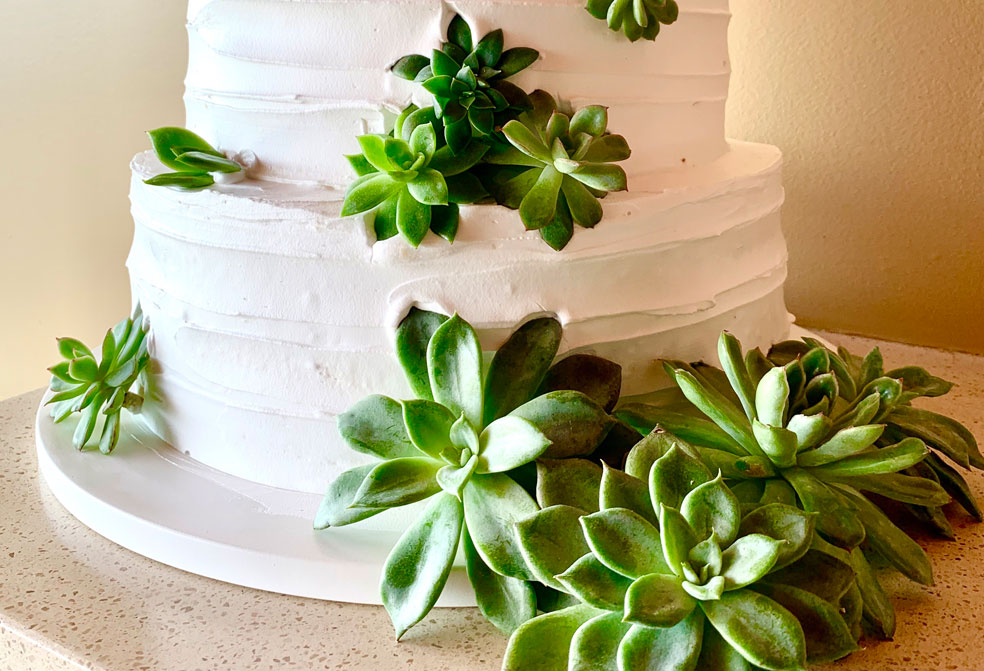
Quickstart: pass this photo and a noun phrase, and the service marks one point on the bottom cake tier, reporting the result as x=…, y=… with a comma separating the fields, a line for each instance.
x=271, y=315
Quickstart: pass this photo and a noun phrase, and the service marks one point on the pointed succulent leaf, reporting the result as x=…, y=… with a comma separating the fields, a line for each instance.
x=573, y=423
x=543, y=643
x=375, y=426
x=620, y=490
x=765, y=633
x=719, y=409
x=418, y=566
x=398, y=482
x=515, y=60
x=651, y=448
x=709, y=591
x=595, y=644
x=733, y=364
x=571, y=482
x=454, y=363
x=592, y=120
x=524, y=140
x=334, y=510
x=878, y=612
x=955, y=485
x=919, y=381
x=412, y=218
x=735, y=467
x=505, y=602
x=508, y=443
x=772, y=398
x=835, y=520
x=880, y=461
x=677, y=537
x=711, y=508
x=585, y=208
x=493, y=506
x=694, y=429
x=597, y=378
x=827, y=635
x=657, y=600
x=453, y=478
x=782, y=522
x=410, y=66
x=367, y=192
x=825, y=570
x=716, y=654
x=779, y=444
x=374, y=149
x=937, y=431
x=844, y=443
x=748, y=560
x=168, y=138
x=905, y=488
x=520, y=365
x=550, y=541
x=624, y=542
x=601, y=176
x=657, y=649
x=595, y=584
x=428, y=425
x=604, y=149
x=809, y=430
x=673, y=476
x=707, y=554
x=540, y=205
x=412, y=337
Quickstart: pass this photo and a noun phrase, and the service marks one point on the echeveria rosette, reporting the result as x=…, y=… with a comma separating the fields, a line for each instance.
x=409, y=183
x=670, y=575
x=194, y=161
x=556, y=166
x=456, y=444
x=636, y=18
x=100, y=387
x=900, y=387
x=468, y=82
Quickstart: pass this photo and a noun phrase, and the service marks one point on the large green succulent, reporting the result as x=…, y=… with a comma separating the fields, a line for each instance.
x=410, y=183
x=558, y=163
x=194, y=161
x=944, y=435
x=458, y=444
x=669, y=574
x=468, y=82
x=636, y=18
x=100, y=388
x=778, y=433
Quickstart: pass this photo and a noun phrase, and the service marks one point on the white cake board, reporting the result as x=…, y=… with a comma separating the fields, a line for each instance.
x=157, y=502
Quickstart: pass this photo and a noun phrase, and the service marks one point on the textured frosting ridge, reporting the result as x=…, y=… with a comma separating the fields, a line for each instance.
x=297, y=81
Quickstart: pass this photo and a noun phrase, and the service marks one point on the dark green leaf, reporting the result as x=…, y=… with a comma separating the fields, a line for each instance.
x=657, y=600
x=625, y=542
x=621, y=490
x=782, y=522
x=199, y=160
x=570, y=482
x=540, y=205
x=519, y=366
x=410, y=66
x=551, y=540
x=412, y=337
x=836, y=520
x=878, y=611
x=827, y=634
x=594, y=584
x=543, y=643
x=166, y=138
x=765, y=633
x=183, y=180
x=367, y=192
x=574, y=423
x=505, y=602
x=444, y=220
x=656, y=649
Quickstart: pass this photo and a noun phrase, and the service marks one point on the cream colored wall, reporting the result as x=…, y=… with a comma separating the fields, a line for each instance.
x=876, y=103
x=878, y=106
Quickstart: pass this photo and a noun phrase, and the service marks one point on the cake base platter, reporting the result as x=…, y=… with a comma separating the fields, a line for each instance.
x=154, y=500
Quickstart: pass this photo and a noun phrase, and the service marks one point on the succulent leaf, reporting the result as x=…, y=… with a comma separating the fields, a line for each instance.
x=335, y=510
x=657, y=600
x=493, y=505
x=505, y=602
x=571, y=482
x=551, y=541
x=625, y=542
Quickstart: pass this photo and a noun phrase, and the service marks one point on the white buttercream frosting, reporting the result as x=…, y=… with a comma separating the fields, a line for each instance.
x=297, y=81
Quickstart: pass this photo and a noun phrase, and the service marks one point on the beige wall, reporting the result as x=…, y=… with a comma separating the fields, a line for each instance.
x=878, y=106
x=876, y=103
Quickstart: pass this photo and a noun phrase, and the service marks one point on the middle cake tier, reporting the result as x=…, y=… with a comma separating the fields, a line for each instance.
x=271, y=315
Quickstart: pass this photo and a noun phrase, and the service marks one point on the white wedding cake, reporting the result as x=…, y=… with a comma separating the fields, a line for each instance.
x=271, y=314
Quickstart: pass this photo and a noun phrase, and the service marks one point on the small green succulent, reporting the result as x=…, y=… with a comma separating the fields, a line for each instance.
x=944, y=435
x=81, y=384
x=667, y=573
x=556, y=166
x=458, y=444
x=193, y=159
x=778, y=433
x=636, y=18
x=410, y=183
x=468, y=82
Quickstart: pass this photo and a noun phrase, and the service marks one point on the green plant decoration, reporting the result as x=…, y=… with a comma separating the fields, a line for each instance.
x=457, y=444
x=100, y=388
x=411, y=184
x=669, y=574
x=636, y=18
x=468, y=82
x=944, y=435
x=192, y=159
x=781, y=433
x=558, y=164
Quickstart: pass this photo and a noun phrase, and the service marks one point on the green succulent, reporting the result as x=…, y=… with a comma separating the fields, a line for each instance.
x=458, y=444
x=556, y=167
x=468, y=82
x=778, y=433
x=100, y=388
x=944, y=435
x=410, y=183
x=667, y=573
x=636, y=18
x=192, y=158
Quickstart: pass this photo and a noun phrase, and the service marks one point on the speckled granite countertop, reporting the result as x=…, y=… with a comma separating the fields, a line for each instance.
x=70, y=599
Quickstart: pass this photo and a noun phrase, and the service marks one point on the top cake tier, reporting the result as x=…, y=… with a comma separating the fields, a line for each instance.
x=296, y=81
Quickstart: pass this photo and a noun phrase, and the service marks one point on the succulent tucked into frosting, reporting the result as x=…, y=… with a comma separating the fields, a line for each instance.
x=193, y=159
x=410, y=183
x=782, y=433
x=457, y=444
x=636, y=18
x=468, y=82
x=670, y=574
x=559, y=163
x=100, y=388
x=944, y=435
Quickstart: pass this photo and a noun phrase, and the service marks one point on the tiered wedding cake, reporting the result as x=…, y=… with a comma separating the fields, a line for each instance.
x=271, y=314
